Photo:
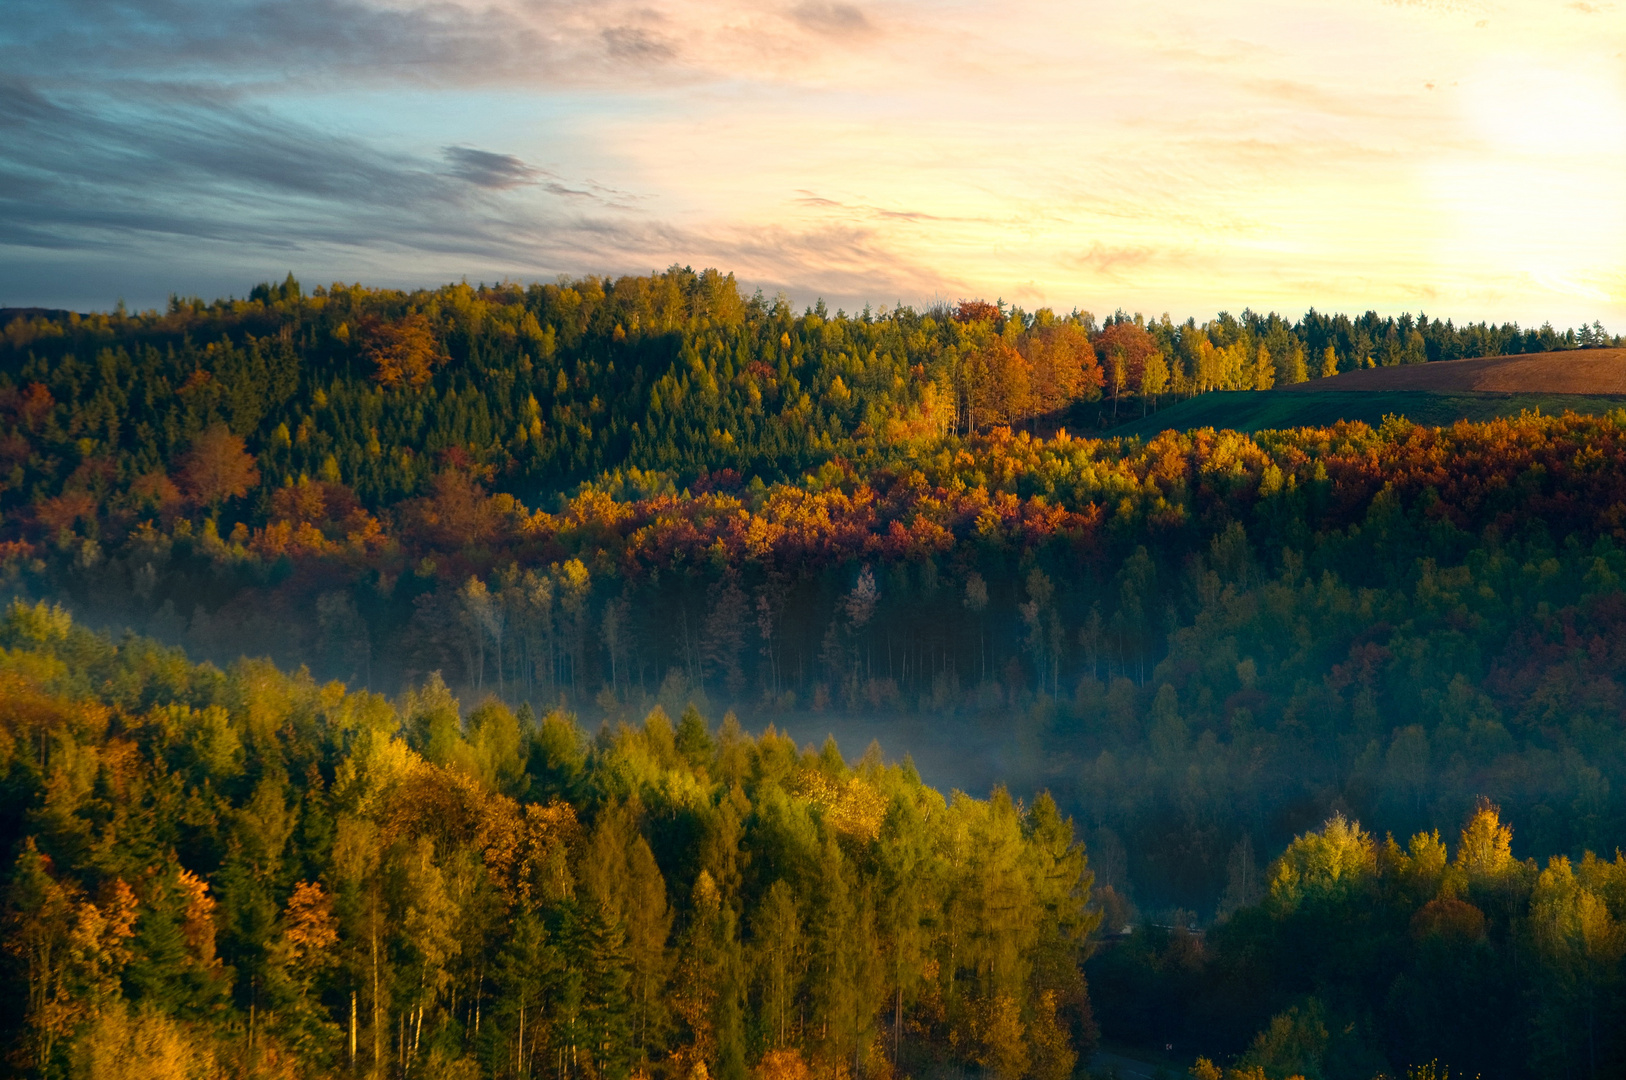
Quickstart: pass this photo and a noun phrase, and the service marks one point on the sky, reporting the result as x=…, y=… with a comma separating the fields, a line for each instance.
x=1464, y=158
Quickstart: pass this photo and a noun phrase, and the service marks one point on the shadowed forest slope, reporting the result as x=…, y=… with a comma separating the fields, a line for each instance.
x=1364, y=958
x=1276, y=410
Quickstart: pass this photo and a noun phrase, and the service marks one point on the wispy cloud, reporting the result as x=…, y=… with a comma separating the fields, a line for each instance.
x=488, y=170
x=830, y=18
x=535, y=43
x=83, y=172
x=1119, y=262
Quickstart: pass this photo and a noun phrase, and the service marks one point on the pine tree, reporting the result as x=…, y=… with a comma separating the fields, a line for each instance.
x=778, y=959
x=606, y=1019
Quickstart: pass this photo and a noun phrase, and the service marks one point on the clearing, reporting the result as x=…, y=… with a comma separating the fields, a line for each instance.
x=1582, y=381
x=1574, y=371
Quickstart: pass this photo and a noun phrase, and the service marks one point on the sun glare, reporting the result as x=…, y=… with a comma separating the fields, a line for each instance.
x=1519, y=108
x=1529, y=197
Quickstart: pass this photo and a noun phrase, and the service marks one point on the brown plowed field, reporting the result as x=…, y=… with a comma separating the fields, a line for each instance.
x=1575, y=371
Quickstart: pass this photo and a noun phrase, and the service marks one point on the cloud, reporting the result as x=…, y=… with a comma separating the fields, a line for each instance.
x=484, y=169
x=635, y=44
x=844, y=263
x=189, y=38
x=1123, y=263
x=829, y=18
x=84, y=172
x=859, y=210
x=255, y=44
x=100, y=190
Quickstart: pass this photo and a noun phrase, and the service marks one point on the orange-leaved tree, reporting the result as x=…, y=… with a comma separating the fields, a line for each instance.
x=998, y=385
x=217, y=467
x=1063, y=366
x=404, y=352
x=976, y=311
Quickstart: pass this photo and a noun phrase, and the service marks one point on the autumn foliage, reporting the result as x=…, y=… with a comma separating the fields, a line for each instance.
x=388, y=888
x=611, y=495
x=404, y=351
x=217, y=467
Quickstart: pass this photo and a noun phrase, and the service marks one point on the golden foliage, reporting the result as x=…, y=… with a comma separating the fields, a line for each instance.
x=1432, y=1070
x=529, y=854
x=146, y=1046
x=443, y=803
x=218, y=466
x=785, y=1064
x=1571, y=921
x=1338, y=855
x=1003, y=1048
x=198, y=925
x=403, y=352
x=1052, y=1048
x=1485, y=850
x=1063, y=366
x=308, y=920
x=852, y=807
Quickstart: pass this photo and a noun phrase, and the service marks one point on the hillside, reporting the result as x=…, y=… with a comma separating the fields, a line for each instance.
x=1571, y=371
x=1585, y=381
x=245, y=875
x=273, y=879
x=546, y=520
x=1293, y=407
x=606, y=495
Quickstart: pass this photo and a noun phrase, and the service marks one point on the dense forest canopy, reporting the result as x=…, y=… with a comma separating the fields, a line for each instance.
x=614, y=502
x=243, y=873
x=675, y=374
x=251, y=872
x=1374, y=958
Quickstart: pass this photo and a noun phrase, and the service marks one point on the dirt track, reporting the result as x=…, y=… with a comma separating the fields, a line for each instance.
x=1576, y=371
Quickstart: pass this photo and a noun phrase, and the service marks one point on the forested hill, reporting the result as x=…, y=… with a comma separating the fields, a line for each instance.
x=675, y=374
x=603, y=495
x=532, y=513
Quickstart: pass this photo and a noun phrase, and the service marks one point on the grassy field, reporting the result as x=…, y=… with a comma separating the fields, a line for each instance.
x=1247, y=410
x=1577, y=380
x=1573, y=371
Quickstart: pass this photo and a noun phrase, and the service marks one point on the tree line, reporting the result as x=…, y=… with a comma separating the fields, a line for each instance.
x=614, y=499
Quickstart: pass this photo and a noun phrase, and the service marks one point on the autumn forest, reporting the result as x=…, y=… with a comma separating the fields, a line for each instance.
x=435, y=684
